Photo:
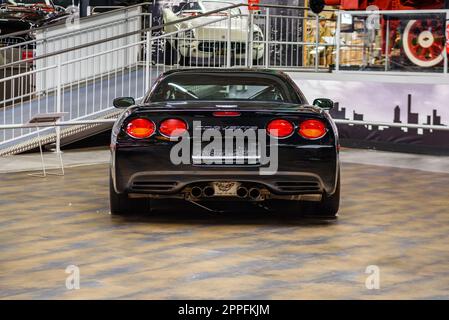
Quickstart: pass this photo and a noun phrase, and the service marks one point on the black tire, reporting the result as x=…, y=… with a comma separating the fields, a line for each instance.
x=328, y=207
x=184, y=61
x=258, y=63
x=171, y=54
x=121, y=204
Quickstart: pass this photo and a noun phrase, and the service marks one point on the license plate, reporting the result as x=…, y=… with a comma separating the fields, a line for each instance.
x=225, y=188
x=236, y=157
x=239, y=155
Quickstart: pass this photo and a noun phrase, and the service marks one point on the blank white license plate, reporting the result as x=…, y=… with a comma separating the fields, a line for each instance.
x=225, y=188
x=241, y=157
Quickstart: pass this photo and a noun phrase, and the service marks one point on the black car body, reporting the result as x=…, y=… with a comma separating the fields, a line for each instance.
x=307, y=168
x=19, y=17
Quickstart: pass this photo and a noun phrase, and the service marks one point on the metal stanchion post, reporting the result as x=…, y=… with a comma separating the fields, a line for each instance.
x=228, y=43
x=317, y=42
x=267, y=37
x=50, y=119
x=338, y=42
x=147, y=62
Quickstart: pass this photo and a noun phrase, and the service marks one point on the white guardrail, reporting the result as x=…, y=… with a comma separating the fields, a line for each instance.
x=74, y=69
x=119, y=53
x=56, y=38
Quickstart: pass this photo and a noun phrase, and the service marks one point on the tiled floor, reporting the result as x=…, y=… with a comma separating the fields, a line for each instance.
x=396, y=219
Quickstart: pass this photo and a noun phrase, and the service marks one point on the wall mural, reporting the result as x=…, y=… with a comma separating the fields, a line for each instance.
x=387, y=102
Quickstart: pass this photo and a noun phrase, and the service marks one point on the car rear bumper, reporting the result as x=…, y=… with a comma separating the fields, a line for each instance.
x=148, y=170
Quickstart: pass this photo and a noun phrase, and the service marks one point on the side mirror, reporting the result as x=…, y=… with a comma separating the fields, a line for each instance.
x=323, y=103
x=123, y=102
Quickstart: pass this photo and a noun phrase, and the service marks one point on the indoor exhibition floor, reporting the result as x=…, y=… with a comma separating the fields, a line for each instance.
x=392, y=216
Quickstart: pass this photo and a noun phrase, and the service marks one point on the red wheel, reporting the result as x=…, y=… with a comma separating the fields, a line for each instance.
x=424, y=42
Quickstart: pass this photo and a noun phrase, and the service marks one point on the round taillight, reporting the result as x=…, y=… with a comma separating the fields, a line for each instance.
x=280, y=128
x=173, y=127
x=312, y=129
x=140, y=128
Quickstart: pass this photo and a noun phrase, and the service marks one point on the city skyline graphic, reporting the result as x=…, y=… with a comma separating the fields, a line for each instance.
x=411, y=118
x=394, y=138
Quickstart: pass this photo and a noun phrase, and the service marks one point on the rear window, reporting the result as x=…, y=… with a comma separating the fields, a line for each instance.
x=222, y=87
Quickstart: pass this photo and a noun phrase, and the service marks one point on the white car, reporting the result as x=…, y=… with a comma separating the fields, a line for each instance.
x=205, y=41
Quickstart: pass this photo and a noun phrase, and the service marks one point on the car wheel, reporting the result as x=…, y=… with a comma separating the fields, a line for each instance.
x=258, y=62
x=184, y=61
x=121, y=204
x=328, y=207
x=171, y=54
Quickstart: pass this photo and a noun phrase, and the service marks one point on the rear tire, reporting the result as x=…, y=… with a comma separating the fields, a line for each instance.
x=184, y=61
x=171, y=54
x=121, y=204
x=328, y=207
x=258, y=62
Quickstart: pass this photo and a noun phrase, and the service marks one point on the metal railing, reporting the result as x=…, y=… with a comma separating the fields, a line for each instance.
x=76, y=71
x=412, y=41
x=82, y=79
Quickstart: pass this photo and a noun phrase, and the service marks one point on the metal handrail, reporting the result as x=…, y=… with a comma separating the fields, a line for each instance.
x=90, y=28
x=286, y=7
x=161, y=26
x=391, y=12
x=125, y=35
x=20, y=75
x=152, y=28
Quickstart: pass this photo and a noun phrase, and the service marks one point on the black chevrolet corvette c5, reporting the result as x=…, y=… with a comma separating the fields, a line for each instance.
x=212, y=135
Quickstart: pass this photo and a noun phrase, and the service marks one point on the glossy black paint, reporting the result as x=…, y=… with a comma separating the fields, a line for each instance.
x=17, y=18
x=137, y=160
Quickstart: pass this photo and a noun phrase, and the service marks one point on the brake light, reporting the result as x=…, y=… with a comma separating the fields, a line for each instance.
x=140, y=128
x=312, y=129
x=27, y=54
x=226, y=114
x=173, y=127
x=280, y=128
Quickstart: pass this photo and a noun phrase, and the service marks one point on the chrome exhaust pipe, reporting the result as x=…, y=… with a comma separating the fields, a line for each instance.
x=208, y=191
x=254, y=193
x=196, y=192
x=242, y=192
